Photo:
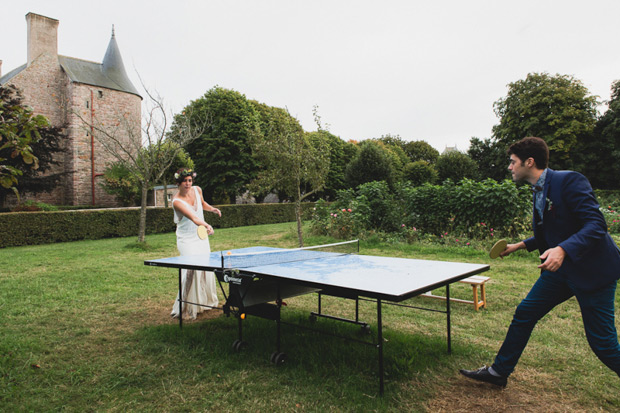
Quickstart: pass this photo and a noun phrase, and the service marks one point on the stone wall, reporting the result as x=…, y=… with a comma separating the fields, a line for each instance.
x=47, y=89
x=118, y=114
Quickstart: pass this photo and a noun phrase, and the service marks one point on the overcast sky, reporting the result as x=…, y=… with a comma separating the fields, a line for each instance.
x=423, y=70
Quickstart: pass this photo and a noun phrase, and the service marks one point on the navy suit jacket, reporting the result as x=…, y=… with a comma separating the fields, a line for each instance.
x=572, y=220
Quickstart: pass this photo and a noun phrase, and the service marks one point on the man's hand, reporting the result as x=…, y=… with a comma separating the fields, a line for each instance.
x=510, y=248
x=553, y=259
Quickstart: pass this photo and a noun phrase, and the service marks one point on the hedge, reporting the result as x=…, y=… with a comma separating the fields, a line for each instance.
x=45, y=227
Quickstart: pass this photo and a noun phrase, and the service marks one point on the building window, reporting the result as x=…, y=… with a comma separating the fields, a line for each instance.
x=87, y=104
x=100, y=93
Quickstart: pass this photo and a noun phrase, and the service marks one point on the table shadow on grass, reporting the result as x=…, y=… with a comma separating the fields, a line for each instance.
x=314, y=359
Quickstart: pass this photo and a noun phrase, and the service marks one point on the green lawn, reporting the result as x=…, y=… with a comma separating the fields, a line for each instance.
x=85, y=326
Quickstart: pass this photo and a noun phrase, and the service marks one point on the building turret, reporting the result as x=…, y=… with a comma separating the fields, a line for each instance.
x=113, y=68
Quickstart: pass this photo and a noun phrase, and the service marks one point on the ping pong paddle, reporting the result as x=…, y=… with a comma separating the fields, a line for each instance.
x=498, y=248
x=202, y=232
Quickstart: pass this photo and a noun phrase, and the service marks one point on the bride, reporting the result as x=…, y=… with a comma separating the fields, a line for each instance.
x=188, y=204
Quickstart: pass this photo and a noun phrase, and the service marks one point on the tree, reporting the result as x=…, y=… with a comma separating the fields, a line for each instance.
x=455, y=165
x=599, y=157
x=420, y=172
x=118, y=180
x=491, y=158
x=19, y=129
x=338, y=160
x=372, y=163
x=143, y=148
x=291, y=160
x=556, y=108
x=421, y=151
x=222, y=154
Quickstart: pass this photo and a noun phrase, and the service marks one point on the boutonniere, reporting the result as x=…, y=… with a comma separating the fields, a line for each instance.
x=550, y=206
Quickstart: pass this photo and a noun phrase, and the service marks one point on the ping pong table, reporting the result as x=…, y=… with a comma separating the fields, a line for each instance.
x=259, y=278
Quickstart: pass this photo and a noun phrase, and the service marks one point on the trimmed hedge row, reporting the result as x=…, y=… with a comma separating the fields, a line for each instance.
x=33, y=228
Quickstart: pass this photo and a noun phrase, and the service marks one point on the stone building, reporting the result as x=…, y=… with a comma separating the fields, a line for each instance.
x=76, y=94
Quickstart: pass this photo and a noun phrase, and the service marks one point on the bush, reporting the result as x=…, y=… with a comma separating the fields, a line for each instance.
x=32, y=228
x=34, y=206
x=476, y=210
x=372, y=207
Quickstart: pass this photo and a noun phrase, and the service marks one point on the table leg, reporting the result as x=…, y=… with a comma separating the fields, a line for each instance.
x=448, y=318
x=180, y=300
x=380, y=345
x=279, y=303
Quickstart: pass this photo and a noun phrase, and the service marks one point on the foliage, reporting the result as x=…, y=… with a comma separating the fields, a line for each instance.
x=143, y=148
x=32, y=228
x=181, y=160
x=120, y=182
x=372, y=163
x=500, y=205
x=19, y=129
x=337, y=151
x=556, y=108
x=472, y=209
x=222, y=154
x=373, y=206
x=421, y=151
x=292, y=162
x=455, y=165
x=469, y=207
x=491, y=158
x=599, y=156
x=45, y=146
x=420, y=172
x=34, y=206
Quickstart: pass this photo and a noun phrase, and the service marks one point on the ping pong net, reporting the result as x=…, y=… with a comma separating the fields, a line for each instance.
x=255, y=259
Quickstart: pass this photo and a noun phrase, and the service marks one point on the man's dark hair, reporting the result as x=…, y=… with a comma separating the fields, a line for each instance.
x=531, y=147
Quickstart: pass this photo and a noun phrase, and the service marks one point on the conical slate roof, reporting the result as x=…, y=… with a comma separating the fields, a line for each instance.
x=109, y=74
x=113, y=68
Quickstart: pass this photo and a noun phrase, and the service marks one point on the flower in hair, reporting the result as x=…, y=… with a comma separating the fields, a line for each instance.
x=186, y=172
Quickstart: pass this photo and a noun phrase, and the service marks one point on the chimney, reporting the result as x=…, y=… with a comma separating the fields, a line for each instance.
x=42, y=36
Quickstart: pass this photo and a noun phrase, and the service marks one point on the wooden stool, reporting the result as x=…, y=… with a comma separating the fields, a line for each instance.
x=475, y=281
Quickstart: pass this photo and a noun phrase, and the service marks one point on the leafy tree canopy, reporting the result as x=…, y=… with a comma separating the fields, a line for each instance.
x=222, y=154
x=421, y=151
x=291, y=161
x=27, y=146
x=372, y=163
x=420, y=172
x=556, y=108
x=455, y=166
x=339, y=152
x=599, y=157
x=491, y=158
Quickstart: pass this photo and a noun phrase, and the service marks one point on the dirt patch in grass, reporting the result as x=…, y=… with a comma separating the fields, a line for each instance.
x=527, y=391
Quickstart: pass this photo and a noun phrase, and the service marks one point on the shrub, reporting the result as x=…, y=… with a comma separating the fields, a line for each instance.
x=32, y=228
x=476, y=210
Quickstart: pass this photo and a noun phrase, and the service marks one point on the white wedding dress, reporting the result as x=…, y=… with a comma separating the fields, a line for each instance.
x=197, y=286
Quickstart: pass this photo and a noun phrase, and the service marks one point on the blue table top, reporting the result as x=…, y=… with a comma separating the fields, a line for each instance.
x=371, y=276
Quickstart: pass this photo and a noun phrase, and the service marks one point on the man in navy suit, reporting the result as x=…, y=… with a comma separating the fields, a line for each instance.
x=578, y=258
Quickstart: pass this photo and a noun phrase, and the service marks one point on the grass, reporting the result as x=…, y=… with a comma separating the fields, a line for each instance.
x=86, y=327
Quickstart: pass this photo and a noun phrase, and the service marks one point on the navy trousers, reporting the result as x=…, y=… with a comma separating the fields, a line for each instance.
x=551, y=289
